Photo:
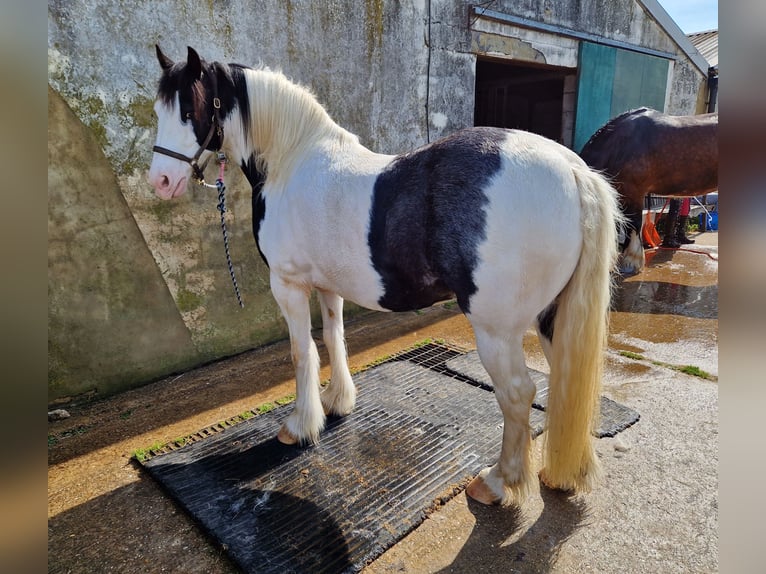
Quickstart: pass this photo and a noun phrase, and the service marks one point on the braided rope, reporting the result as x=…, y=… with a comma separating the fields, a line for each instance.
x=222, y=208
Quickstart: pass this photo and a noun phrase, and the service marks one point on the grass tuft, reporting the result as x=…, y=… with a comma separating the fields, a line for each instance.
x=687, y=369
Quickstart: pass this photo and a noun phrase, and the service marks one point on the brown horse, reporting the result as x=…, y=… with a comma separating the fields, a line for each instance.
x=645, y=151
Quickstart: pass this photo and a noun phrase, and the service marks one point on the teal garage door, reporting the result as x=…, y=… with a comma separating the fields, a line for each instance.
x=611, y=81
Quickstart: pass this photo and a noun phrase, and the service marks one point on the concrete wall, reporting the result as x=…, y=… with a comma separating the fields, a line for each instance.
x=112, y=321
x=138, y=287
x=367, y=63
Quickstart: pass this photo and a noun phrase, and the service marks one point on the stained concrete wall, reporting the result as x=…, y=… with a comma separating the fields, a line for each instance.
x=392, y=72
x=112, y=321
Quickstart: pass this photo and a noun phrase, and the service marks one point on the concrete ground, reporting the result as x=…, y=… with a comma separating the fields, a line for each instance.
x=656, y=509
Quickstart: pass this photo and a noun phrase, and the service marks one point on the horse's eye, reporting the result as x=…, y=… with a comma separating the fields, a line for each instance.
x=188, y=115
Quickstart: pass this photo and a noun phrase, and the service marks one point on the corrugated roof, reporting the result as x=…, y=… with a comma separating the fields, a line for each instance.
x=707, y=45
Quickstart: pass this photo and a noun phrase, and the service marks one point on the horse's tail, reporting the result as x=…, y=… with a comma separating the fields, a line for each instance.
x=579, y=340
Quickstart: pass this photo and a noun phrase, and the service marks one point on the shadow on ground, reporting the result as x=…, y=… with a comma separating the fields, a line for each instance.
x=497, y=545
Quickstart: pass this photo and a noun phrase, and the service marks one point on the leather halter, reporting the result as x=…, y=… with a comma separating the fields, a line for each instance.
x=216, y=127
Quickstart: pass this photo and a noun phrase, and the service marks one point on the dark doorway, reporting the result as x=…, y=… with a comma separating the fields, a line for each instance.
x=521, y=97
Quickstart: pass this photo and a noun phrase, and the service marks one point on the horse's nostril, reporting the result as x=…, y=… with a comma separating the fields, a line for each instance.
x=164, y=181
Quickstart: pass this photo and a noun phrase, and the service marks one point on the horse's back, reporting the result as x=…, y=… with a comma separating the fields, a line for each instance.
x=481, y=201
x=647, y=151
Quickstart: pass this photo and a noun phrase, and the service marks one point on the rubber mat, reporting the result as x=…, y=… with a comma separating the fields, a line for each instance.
x=418, y=433
x=614, y=416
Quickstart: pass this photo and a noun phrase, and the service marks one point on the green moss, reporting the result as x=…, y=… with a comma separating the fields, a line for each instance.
x=140, y=112
x=687, y=369
x=265, y=408
x=285, y=400
x=93, y=113
x=632, y=355
x=696, y=372
x=162, y=210
x=142, y=454
x=373, y=26
x=187, y=301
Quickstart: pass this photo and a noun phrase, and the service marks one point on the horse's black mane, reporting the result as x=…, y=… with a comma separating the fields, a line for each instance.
x=610, y=126
x=601, y=151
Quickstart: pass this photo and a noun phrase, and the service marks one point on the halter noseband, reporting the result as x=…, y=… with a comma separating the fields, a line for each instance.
x=216, y=127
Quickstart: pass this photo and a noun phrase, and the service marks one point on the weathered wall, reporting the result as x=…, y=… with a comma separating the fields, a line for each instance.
x=365, y=61
x=384, y=69
x=112, y=321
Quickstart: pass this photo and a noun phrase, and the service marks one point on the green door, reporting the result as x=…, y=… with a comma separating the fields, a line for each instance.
x=611, y=81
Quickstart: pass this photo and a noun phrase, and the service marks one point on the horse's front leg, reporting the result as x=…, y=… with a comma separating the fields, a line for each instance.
x=307, y=419
x=632, y=255
x=339, y=397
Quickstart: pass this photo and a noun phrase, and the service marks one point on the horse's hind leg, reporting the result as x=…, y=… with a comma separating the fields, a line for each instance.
x=307, y=419
x=340, y=395
x=511, y=478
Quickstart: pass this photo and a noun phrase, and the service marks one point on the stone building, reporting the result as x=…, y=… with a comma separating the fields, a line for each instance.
x=138, y=287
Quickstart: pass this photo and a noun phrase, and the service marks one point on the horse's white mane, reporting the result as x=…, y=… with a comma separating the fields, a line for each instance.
x=286, y=120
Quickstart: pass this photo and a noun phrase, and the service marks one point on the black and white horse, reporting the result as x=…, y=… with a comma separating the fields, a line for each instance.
x=514, y=225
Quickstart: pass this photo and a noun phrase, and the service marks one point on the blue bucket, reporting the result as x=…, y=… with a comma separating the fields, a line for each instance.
x=708, y=221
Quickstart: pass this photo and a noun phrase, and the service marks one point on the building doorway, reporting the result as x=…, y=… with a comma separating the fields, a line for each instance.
x=531, y=98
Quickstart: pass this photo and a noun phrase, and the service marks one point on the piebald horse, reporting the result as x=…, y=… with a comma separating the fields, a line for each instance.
x=515, y=226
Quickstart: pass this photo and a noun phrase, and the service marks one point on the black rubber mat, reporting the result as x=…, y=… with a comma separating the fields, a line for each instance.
x=614, y=416
x=419, y=431
x=469, y=365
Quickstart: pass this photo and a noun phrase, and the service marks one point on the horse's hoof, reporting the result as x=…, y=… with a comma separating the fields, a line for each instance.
x=480, y=492
x=628, y=271
x=286, y=437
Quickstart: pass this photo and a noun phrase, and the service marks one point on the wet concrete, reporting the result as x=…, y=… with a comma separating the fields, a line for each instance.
x=656, y=510
x=669, y=312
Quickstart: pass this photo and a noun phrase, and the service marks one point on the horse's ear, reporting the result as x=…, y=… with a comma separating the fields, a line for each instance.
x=164, y=61
x=193, y=63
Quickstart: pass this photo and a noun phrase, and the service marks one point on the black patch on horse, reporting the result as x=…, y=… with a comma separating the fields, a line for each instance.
x=256, y=180
x=545, y=321
x=427, y=219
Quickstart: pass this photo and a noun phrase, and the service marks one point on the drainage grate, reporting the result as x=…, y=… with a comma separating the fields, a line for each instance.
x=434, y=356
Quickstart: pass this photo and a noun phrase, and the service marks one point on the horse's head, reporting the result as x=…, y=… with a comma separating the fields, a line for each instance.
x=188, y=123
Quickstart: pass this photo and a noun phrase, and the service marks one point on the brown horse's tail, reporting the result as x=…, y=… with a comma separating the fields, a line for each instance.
x=579, y=342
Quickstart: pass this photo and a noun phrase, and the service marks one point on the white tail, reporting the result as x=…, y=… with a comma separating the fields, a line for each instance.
x=579, y=342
